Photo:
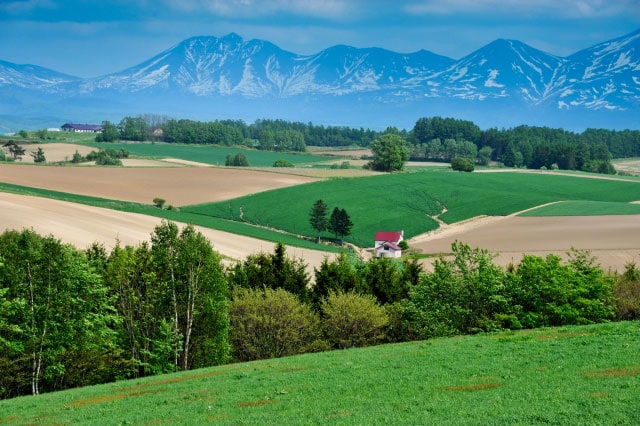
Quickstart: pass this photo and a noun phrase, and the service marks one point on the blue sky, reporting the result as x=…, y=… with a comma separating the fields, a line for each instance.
x=89, y=38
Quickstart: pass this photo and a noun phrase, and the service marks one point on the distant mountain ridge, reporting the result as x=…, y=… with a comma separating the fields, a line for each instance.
x=504, y=83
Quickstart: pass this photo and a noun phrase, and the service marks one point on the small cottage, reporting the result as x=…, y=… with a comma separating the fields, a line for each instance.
x=81, y=128
x=386, y=244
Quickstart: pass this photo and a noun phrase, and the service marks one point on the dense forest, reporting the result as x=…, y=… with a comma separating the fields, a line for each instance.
x=431, y=139
x=72, y=317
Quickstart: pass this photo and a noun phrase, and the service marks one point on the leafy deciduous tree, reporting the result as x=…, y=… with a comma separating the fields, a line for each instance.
x=196, y=288
x=389, y=153
x=353, y=320
x=268, y=323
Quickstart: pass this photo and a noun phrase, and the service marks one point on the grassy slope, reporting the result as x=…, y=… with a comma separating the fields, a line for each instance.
x=586, y=375
x=405, y=201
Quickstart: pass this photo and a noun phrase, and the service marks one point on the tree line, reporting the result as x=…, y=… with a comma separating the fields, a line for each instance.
x=72, y=317
x=267, y=135
x=431, y=139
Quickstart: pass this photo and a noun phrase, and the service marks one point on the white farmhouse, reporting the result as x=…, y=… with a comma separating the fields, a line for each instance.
x=386, y=244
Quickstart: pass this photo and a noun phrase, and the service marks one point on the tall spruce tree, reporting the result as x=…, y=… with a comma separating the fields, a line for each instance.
x=318, y=217
x=340, y=224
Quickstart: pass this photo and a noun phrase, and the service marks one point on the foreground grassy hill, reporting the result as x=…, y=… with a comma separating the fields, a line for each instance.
x=586, y=375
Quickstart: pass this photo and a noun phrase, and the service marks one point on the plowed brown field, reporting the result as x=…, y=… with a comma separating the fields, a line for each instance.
x=613, y=240
x=82, y=225
x=178, y=186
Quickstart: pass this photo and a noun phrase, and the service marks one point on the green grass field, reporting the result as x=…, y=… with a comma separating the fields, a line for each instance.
x=210, y=154
x=582, y=375
x=585, y=208
x=405, y=201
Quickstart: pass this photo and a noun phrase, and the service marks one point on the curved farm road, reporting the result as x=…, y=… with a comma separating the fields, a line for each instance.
x=82, y=225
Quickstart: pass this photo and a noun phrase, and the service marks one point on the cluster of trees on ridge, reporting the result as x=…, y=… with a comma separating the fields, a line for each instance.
x=72, y=317
x=431, y=139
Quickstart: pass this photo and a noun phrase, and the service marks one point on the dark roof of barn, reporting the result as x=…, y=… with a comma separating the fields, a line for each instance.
x=82, y=126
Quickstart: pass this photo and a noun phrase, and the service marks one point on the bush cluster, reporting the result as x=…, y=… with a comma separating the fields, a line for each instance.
x=171, y=305
x=104, y=157
x=462, y=164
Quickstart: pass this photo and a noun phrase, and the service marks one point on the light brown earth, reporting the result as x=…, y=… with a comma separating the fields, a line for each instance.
x=630, y=166
x=613, y=240
x=53, y=152
x=82, y=225
x=179, y=186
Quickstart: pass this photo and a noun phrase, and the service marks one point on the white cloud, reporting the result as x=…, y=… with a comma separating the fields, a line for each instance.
x=24, y=6
x=571, y=9
x=325, y=9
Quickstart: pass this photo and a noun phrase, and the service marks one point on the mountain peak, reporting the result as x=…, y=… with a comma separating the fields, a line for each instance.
x=208, y=73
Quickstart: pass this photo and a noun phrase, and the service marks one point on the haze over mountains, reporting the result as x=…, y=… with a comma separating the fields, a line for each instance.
x=504, y=84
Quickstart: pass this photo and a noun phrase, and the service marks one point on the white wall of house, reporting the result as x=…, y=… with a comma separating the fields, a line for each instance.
x=385, y=251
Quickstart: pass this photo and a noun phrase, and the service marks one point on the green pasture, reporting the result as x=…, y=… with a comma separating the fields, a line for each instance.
x=580, y=375
x=234, y=227
x=209, y=154
x=585, y=208
x=405, y=201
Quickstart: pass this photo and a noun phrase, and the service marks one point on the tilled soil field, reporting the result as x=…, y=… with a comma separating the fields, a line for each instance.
x=178, y=186
x=613, y=240
x=82, y=225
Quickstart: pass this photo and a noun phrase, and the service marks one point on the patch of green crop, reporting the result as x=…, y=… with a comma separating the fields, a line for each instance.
x=209, y=154
x=579, y=375
x=407, y=201
x=584, y=208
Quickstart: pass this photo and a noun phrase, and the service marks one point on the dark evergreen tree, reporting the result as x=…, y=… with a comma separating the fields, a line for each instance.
x=340, y=224
x=318, y=217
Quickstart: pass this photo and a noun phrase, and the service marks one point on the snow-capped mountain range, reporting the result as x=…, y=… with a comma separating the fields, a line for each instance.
x=503, y=84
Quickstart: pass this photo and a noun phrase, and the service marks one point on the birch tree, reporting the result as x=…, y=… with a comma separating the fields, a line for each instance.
x=192, y=272
x=56, y=305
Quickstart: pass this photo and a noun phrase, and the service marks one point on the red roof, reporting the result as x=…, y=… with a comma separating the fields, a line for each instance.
x=391, y=246
x=388, y=236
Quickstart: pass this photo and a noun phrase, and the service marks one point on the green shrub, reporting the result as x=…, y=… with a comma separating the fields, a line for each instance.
x=268, y=323
x=77, y=157
x=399, y=328
x=626, y=291
x=353, y=320
x=544, y=292
x=239, y=160
x=276, y=270
x=339, y=275
x=107, y=157
x=282, y=163
x=159, y=202
x=462, y=164
x=461, y=296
